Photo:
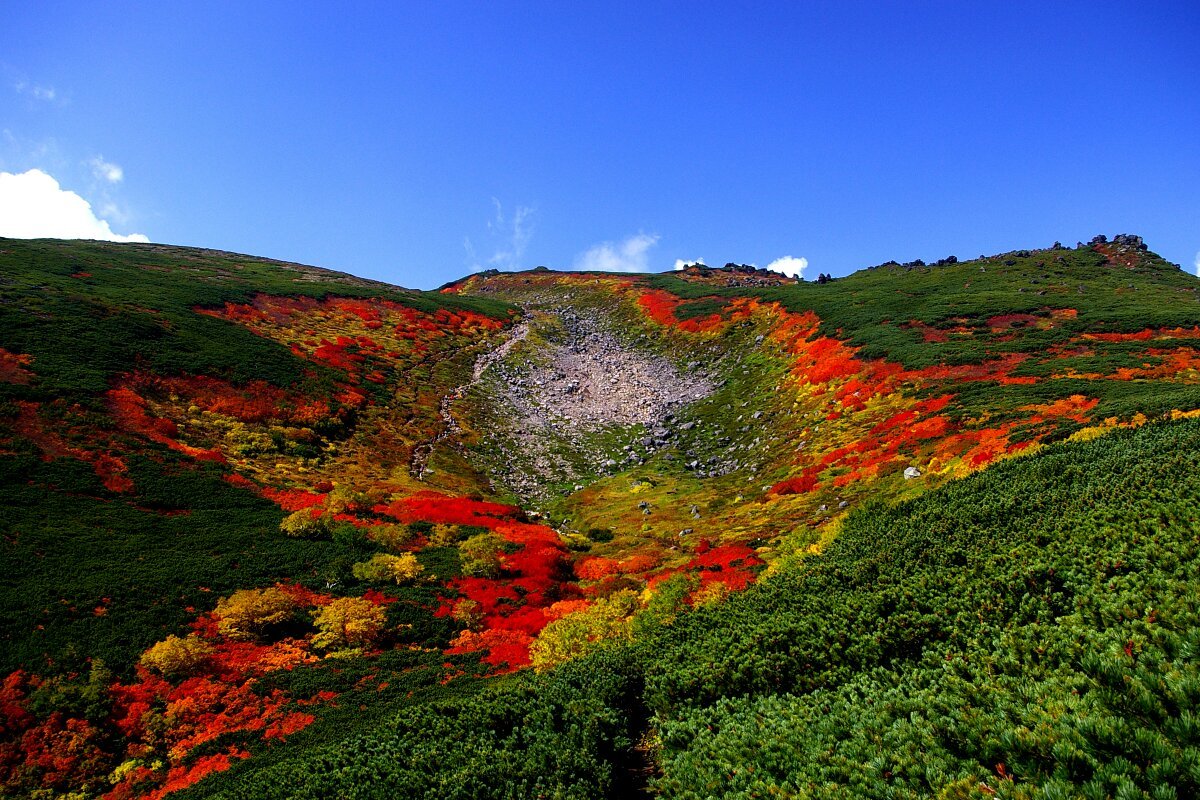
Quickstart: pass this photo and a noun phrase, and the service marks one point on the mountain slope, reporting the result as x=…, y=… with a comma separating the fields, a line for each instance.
x=253, y=507
x=1027, y=632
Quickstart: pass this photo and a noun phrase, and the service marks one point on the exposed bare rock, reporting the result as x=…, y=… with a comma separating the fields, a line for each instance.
x=551, y=402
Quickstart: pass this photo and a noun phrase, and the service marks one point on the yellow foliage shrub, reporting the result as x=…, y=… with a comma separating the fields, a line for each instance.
x=175, y=656
x=348, y=622
x=581, y=631
x=248, y=613
x=387, y=567
x=468, y=613
x=303, y=525
x=480, y=555
x=393, y=537
x=444, y=535
x=244, y=442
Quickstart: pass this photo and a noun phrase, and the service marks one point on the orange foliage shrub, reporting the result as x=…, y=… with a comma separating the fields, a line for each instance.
x=14, y=367
x=595, y=568
x=131, y=412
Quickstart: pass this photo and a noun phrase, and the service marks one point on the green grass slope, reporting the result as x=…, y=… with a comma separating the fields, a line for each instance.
x=1030, y=631
x=85, y=572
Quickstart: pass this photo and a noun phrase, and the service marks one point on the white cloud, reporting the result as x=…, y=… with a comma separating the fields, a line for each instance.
x=106, y=170
x=681, y=263
x=34, y=206
x=789, y=265
x=630, y=255
x=1198, y=262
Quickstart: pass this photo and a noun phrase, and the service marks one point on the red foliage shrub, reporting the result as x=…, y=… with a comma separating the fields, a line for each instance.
x=538, y=564
x=726, y=557
x=504, y=647
x=377, y=597
x=182, y=777
x=342, y=353
x=527, y=619
x=130, y=411
x=443, y=510
x=799, y=484
x=58, y=752
x=13, y=716
x=303, y=596
x=660, y=306
x=110, y=469
x=489, y=593
x=293, y=499
x=932, y=428
x=1140, y=336
x=287, y=725
x=1004, y=322
x=240, y=481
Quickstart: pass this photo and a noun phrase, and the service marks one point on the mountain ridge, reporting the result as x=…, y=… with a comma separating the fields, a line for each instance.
x=519, y=469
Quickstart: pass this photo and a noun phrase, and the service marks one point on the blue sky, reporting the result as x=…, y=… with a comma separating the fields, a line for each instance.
x=414, y=142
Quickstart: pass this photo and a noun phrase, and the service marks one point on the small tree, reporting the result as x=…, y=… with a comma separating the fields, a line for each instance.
x=469, y=613
x=386, y=567
x=480, y=555
x=303, y=525
x=176, y=657
x=392, y=537
x=443, y=535
x=343, y=498
x=348, y=622
x=248, y=613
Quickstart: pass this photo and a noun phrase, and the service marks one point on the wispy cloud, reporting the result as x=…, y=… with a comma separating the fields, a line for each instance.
x=36, y=91
x=106, y=170
x=508, y=237
x=789, y=265
x=630, y=255
x=685, y=263
x=34, y=206
x=1197, y=263
x=107, y=177
x=19, y=153
x=19, y=82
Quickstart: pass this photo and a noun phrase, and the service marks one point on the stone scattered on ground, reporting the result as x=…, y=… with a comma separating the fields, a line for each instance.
x=587, y=382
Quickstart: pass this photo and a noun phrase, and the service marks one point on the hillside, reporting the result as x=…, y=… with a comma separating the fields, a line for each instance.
x=923, y=530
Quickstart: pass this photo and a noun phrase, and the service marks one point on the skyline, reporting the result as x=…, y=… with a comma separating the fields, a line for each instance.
x=416, y=144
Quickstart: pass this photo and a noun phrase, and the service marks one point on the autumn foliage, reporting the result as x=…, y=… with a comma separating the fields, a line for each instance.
x=399, y=565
